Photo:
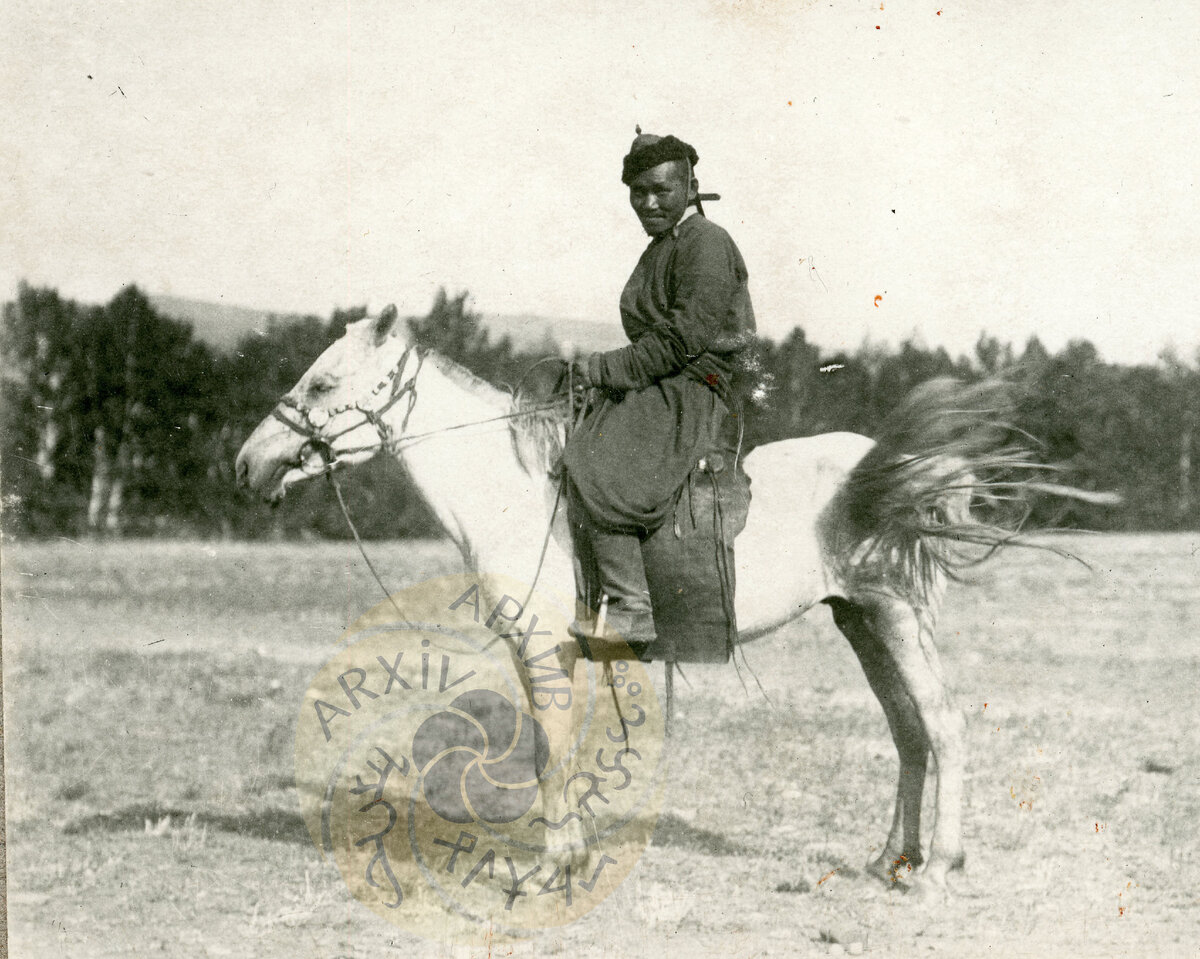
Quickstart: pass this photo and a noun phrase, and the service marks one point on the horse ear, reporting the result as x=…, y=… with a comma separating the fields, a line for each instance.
x=383, y=325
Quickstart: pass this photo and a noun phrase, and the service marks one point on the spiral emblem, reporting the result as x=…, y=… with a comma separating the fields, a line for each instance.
x=468, y=777
x=480, y=759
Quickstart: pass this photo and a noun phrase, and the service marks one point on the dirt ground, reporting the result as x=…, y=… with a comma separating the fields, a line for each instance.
x=151, y=692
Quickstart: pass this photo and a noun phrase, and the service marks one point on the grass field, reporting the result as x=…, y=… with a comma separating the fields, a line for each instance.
x=151, y=692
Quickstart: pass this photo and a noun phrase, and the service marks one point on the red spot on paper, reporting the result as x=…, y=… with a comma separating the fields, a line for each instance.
x=711, y=379
x=877, y=26
x=878, y=299
x=789, y=103
x=939, y=13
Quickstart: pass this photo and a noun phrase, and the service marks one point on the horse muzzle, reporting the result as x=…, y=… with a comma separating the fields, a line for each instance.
x=275, y=458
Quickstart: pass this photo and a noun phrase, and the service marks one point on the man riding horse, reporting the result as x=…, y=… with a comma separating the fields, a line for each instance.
x=663, y=403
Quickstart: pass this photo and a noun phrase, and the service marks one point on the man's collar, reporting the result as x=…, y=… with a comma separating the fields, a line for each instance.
x=674, y=231
x=690, y=211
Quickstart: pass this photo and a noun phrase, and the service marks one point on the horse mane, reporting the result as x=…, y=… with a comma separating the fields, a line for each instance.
x=538, y=434
x=468, y=380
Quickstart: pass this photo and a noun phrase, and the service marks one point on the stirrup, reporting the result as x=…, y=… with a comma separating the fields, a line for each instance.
x=609, y=637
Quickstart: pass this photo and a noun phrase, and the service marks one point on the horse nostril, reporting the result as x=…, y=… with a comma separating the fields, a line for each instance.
x=242, y=471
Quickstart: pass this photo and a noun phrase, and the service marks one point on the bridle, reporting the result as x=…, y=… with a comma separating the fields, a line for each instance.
x=313, y=420
x=309, y=423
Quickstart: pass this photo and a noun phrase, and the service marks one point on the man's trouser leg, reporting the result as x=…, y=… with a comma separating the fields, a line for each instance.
x=609, y=572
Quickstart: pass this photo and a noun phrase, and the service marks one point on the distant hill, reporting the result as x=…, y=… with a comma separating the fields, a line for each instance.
x=530, y=332
x=217, y=324
x=221, y=325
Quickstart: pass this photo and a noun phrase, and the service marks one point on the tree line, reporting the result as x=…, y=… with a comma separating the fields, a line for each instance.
x=118, y=421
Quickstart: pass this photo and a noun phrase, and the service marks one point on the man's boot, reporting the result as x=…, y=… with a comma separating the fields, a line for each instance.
x=625, y=612
x=610, y=574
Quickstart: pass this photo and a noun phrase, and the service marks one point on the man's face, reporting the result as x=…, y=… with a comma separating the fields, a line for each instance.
x=659, y=196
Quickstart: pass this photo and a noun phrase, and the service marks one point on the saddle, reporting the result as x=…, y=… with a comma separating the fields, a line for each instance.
x=689, y=564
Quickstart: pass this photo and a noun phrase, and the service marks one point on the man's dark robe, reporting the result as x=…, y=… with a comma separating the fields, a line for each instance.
x=666, y=396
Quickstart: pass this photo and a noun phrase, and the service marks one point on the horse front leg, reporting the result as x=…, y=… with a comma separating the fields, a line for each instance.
x=902, y=852
x=565, y=802
x=907, y=636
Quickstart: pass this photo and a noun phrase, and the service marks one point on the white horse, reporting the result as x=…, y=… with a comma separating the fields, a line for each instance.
x=870, y=528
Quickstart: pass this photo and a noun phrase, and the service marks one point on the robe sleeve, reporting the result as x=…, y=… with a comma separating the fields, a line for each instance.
x=707, y=277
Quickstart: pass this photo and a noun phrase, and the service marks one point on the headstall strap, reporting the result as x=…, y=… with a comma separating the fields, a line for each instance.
x=302, y=428
x=307, y=424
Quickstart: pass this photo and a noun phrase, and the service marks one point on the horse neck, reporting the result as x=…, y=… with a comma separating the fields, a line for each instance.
x=493, y=510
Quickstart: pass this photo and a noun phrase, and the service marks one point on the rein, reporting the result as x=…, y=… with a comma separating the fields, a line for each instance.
x=361, y=548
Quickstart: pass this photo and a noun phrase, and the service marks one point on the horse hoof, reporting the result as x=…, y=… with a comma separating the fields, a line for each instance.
x=890, y=869
x=576, y=856
x=879, y=869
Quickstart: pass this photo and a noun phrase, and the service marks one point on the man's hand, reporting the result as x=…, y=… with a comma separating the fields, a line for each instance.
x=593, y=374
x=578, y=373
x=574, y=380
x=585, y=373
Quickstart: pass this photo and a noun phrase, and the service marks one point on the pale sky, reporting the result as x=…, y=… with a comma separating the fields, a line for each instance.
x=1040, y=159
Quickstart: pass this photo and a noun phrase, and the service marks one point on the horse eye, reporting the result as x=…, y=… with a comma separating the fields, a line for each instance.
x=320, y=386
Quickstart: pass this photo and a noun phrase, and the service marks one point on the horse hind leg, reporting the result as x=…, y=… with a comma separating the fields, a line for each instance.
x=907, y=635
x=902, y=852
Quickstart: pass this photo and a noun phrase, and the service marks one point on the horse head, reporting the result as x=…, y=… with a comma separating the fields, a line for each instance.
x=341, y=412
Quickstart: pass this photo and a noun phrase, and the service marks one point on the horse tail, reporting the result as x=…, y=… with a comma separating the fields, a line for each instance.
x=949, y=481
